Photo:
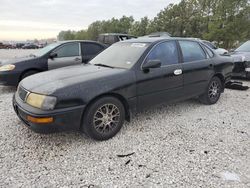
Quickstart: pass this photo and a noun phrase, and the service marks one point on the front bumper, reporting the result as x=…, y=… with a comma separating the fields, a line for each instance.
x=241, y=69
x=9, y=78
x=63, y=119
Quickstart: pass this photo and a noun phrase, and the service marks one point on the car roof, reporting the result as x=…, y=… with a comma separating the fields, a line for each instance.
x=115, y=34
x=67, y=41
x=156, y=39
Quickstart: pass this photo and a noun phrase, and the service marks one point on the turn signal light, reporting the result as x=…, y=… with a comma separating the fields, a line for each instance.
x=40, y=120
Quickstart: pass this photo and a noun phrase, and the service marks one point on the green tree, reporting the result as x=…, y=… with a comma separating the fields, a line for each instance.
x=224, y=21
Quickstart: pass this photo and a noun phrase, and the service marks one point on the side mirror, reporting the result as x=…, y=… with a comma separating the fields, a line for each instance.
x=151, y=64
x=53, y=55
x=231, y=50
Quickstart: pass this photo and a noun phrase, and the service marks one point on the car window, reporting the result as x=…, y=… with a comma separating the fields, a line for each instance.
x=68, y=50
x=192, y=51
x=122, y=38
x=91, y=49
x=209, y=51
x=211, y=45
x=109, y=39
x=121, y=55
x=167, y=52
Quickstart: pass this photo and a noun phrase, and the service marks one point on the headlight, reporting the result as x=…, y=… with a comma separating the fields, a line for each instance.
x=7, y=68
x=41, y=101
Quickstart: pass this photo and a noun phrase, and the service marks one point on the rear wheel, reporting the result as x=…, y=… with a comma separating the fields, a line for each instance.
x=27, y=74
x=213, y=92
x=248, y=75
x=104, y=118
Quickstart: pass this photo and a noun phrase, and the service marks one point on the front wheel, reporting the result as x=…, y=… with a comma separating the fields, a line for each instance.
x=213, y=92
x=104, y=118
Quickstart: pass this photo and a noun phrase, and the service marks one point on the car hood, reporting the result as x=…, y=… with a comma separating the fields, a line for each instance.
x=16, y=61
x=73, y=78
x=240, y=56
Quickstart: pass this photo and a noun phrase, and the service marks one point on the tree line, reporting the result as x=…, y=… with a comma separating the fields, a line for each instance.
x=223, y=21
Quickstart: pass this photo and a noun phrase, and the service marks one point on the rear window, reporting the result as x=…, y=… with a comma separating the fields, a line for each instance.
x=109, y=40
x=91, y=49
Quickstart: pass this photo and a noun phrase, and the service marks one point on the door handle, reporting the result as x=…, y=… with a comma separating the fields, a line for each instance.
x=178, y=72
x=77, y=59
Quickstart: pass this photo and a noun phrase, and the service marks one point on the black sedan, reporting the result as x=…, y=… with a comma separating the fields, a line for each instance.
x=127, y=77
x=241, y=58
x=53, y=56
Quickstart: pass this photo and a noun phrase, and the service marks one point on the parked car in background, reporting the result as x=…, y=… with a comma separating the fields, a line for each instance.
x=128, y=76
x=30, y=46
x=111, y=38
x=241, y=57
x=53, y=56
x=220, y=51
x=6, y=46
x=2, y=46
x=42, y=45
x=19, y=45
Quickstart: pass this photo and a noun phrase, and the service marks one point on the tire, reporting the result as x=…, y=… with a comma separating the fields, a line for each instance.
x=213, y=92
x=27, y=74
x=104, y=127
x=248, y=75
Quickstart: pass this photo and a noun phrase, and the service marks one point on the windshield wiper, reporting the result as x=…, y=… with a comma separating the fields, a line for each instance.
x=103, y=65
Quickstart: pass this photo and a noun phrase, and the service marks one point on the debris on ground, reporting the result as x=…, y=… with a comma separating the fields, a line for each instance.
x=127, y=155
x=236, y=85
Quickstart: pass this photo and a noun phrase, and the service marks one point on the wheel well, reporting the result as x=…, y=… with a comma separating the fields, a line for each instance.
x=221, y=77
x=28, y=70
x=117, y=96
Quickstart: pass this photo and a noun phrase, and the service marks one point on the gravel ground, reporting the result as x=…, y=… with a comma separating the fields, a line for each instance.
x=180, y=145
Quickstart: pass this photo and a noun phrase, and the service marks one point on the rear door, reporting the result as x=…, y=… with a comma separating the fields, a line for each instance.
x=66, y=55
x=164, y=84
x=198, y=67
x=90, y=50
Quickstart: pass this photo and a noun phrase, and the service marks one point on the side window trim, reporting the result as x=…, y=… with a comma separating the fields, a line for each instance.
x=144, y=60
x=205, y=48
x=63, y=45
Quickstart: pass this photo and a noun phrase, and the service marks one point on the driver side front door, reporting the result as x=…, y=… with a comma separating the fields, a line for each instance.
x=163, y=84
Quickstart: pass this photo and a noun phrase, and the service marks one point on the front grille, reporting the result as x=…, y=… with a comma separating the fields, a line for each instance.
x=22, y=93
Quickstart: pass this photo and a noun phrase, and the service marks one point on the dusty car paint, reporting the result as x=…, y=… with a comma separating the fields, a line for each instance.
x=43, y=63
x=76, y=87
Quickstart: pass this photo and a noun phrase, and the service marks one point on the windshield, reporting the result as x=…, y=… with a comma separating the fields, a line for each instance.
x=120, y=55
x=46, y=49
x=244, y=47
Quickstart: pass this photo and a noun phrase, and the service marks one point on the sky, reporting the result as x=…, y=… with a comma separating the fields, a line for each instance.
x=40, y=19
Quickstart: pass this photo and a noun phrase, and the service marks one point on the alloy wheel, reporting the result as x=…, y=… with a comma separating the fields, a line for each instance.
x=106, y=118
x=214, y=90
